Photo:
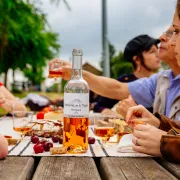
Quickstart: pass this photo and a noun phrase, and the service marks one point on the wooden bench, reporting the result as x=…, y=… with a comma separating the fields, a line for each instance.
x=171, y=167
x=13, y=168
x=114, y=168
x=66, y=168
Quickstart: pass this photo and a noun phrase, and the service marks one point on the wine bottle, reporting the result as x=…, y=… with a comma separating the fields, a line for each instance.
x=76, y=108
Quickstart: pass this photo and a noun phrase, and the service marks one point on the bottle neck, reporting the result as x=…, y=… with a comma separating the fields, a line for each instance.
x=77, y=67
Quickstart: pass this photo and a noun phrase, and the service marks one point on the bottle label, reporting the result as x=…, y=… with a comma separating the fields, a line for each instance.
x=76, y=104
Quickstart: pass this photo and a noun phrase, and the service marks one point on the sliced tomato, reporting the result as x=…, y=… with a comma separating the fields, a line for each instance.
x=40, y=115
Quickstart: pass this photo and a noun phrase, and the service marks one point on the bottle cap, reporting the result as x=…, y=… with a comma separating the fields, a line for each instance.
x=77, y=52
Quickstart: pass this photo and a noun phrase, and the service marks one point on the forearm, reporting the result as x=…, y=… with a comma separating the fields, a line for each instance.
x=107, y=87
x=6, y=93
x=13, y=105
x=3, y=147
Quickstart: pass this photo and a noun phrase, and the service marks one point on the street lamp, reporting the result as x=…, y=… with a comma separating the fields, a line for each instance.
x=105, y=44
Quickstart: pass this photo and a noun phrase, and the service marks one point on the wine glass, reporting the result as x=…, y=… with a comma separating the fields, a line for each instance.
x=104, y=127
x=22, y=122
x=54, y=71
x=122, y=128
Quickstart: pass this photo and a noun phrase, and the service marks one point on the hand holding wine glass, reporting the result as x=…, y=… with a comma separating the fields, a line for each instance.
x=64, y=67
x=54, y=70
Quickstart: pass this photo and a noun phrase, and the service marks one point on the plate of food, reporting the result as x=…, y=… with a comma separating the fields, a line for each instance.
x=46, y=128
x=49, y=113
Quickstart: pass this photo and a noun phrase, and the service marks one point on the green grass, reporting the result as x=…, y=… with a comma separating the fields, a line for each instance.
x=50, y=95
x=2, y=112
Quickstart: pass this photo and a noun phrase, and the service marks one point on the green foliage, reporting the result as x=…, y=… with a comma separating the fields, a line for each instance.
x=63, y=83
x=118, y=65
x=26, y=42
x=52, y=1
x=3, y=112
x=15, y=90
x=54, y=88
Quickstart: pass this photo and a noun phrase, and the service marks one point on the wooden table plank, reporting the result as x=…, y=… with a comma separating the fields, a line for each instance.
x=76, y=168
x=13, y=168
x=113, y=168
x=171, y=167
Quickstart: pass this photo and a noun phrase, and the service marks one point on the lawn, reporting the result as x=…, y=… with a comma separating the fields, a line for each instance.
x=50, y=95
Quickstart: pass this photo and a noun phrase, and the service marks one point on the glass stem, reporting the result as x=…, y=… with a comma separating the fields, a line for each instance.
x=104, y=140
x=22, y=136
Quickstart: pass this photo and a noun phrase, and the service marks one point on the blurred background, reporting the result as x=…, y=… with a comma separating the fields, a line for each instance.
x=34, y=31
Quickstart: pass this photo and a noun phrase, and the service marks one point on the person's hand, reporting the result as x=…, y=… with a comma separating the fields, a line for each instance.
x=141, y=113
x=2, y=98
x=5, y=103
x=65, y=68
x=63, y=62
x=123, y=105
x=147, y=139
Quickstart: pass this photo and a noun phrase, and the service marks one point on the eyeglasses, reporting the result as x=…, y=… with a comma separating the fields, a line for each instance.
x=168, y=33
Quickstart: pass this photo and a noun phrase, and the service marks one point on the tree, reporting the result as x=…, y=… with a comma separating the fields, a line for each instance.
x=118, y=65
x=65, y=2
x=52, y=1
x=26, y=42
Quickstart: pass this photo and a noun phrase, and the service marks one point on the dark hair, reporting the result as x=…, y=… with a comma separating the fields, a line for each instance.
x=178, y=8
x=141, y=57
x=136, y=47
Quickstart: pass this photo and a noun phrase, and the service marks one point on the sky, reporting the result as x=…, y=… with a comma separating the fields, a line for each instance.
x=81, y=27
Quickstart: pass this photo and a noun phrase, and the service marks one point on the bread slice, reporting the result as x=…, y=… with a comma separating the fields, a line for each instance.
x=12, y=141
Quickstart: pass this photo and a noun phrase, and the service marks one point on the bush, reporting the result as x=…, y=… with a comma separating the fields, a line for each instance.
x=63, y=83
x=15, y=90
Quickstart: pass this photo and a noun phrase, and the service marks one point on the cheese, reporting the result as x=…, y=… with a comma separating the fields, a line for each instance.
x=54, y=116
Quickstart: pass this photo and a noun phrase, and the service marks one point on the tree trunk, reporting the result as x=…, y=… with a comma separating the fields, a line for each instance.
x=13, y=75
x=5, y=78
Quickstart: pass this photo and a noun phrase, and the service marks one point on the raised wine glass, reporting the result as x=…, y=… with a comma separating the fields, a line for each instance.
x=54, y=71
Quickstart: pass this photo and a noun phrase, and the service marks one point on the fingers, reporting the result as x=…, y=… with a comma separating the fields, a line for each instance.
x=142, y=127
x=121, y=109
x=132, y=102
x=135, y=140
x=140, y=149
x=138, y=141
x=139, y=145
x=135, y=111
x=54, y=60
x=142, y=131
x=123, y=106
x=63, y=62
x=140, y=134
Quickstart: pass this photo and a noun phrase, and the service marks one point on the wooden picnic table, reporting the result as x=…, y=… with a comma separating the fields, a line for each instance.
x=26, y=167
x=86, y=168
